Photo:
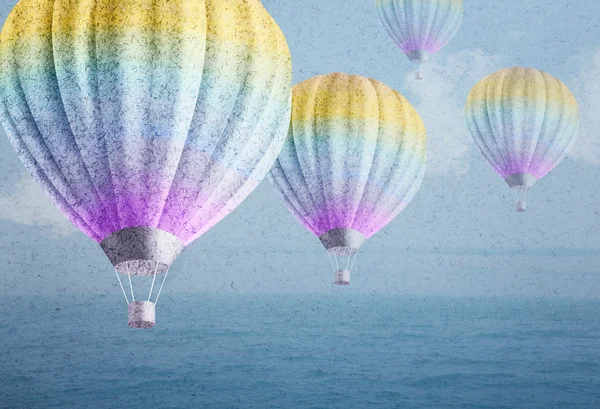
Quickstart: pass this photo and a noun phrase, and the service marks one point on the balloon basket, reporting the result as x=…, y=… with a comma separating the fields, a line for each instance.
x=342, y=277
x=141, y=314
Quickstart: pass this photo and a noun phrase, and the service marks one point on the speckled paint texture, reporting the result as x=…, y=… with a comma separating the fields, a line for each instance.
x=421, y=25
x=141, y=314
x=458, y=303
x=162, y=114
x=523, y=120
x=354, y=156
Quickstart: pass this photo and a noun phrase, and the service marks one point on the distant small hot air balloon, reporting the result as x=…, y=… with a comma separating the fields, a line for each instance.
x=145, y=121
x=354, y=158
x=420, y=27
x=524, y=121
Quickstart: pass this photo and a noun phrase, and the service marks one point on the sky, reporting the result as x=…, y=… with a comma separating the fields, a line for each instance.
x=459, y=236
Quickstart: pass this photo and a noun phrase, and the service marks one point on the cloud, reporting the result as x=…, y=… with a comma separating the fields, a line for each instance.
x=442, y=95
x=28, y=205
x=585, y=85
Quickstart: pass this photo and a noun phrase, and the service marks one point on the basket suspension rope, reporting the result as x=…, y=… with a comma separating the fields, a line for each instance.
x=331, y=261
x=121, y=284
x=130, y=285
x=353, y=260
x=153, y=278
x=163, y=283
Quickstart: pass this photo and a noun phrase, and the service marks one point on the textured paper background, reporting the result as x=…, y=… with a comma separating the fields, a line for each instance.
x=460, y=236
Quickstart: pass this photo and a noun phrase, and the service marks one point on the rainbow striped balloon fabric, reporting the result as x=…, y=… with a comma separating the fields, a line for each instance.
x=145, y=121
x=421, y=27
x=524, y=121
x=353, y=159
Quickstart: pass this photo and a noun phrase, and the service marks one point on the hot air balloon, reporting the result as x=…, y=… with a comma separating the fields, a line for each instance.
x=420, y=28
x=353, y=159
x=145, y=121
x=524, y=121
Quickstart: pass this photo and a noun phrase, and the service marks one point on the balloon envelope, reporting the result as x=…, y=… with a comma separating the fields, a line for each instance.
x=145, y=121
x=524, y=122
x=421, y=27
x=353, y=159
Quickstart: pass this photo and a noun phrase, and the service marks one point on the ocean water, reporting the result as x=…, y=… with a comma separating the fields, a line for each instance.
x=308, y=351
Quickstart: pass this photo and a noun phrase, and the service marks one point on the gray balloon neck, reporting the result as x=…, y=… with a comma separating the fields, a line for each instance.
x=418, y=56
x=342, y=242
x=521, y=181
x=140, y=251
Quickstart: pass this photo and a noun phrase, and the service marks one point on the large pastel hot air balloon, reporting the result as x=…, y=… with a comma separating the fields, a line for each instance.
x=145, y=121
x=420, y=28
x=524, y=122
x=353, y=159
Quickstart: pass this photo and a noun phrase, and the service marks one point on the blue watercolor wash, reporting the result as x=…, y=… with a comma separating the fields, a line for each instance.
x=308, y=351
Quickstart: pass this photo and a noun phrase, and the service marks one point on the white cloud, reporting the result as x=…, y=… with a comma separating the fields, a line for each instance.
x=30, y=206
x=442, y=94
x=446, y=83
x=585, y=85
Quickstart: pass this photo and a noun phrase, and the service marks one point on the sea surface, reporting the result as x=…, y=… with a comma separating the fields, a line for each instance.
x=300, y=351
